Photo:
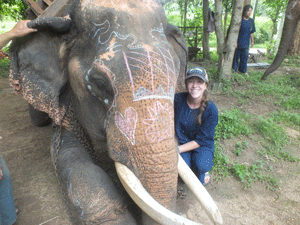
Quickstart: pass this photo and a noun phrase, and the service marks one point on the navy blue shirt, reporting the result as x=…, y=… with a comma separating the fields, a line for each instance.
x=187, y=130
x=246, y=29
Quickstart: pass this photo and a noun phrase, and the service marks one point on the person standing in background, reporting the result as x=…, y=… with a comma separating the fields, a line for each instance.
x=245, y=35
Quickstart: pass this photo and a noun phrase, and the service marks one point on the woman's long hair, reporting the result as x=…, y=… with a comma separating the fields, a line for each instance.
x=202, y=108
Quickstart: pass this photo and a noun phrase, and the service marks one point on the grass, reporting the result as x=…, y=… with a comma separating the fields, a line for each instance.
x=287, y=118
x=267, y=130
x=282, y=90
x=232, y=123
x=240, y=147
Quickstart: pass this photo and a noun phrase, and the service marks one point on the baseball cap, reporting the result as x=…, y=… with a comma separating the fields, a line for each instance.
x=197, y=72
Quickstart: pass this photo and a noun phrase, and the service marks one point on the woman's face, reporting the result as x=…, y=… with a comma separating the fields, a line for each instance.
x=196, y=87
x=249, y=12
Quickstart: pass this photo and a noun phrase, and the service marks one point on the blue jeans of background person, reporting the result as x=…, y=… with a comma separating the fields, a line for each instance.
x=7, y=206
x=240, y=60
x=200, y=161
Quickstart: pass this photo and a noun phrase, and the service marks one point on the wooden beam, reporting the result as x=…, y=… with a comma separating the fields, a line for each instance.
x=57, y=8
x=34, y=7
x=48, y=2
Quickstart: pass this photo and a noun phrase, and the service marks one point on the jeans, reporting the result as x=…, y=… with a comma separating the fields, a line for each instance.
x=7, y=206
x=200, y=161
x=240, y=60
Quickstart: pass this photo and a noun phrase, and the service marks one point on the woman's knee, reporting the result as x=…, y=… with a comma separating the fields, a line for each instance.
x=203, y=161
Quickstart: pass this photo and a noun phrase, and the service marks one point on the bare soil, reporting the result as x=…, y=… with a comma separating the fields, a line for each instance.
x=26, y=150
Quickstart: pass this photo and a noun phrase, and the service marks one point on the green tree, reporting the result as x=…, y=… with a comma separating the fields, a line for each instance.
x=14, y=9
x=273, y=10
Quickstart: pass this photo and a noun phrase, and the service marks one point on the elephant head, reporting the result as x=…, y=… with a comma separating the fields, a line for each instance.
x=292, y=17
x=107, y=79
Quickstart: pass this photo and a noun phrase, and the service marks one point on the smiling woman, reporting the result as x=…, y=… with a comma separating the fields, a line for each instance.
x=195, y=120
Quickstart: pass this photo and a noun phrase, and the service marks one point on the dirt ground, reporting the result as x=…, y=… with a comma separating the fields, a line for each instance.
x=26, y=150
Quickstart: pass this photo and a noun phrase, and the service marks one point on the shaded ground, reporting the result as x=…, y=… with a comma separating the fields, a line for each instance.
x=26, y=150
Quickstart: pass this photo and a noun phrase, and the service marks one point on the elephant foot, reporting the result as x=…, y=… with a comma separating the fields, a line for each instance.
x=90, y=193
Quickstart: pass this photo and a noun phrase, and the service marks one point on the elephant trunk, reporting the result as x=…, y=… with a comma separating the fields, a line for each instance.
x=57, y=24
x=143, y=141
x=289, y=27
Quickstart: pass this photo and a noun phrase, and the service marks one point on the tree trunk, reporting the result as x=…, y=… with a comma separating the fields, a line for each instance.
x=219, y=32
x=294, y=48
x=231, y=40
x=247, y=2
x=205, y=42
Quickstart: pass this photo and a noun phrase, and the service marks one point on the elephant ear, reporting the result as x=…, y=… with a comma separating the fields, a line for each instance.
x=177, y=40
x=37, y=74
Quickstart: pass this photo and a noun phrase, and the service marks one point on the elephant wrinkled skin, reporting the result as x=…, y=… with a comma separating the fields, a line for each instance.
x=107, y=80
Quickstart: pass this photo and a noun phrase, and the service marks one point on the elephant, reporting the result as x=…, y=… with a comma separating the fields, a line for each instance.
x=292, y=18
x=106, y=73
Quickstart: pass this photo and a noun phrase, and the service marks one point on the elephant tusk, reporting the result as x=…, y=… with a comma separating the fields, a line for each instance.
x=143, y=199
x=199, y=191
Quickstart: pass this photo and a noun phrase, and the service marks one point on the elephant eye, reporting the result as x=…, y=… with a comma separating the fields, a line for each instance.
x=100, y=86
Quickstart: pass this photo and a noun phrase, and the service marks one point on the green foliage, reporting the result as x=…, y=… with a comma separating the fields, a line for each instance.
x=261, y=36
x=273, y=8
x=267, y=130
x=286, y=117
x=15, y=9
x=249, y=174
x=172, y=9
x=221, y=163
x=282, y=90
x=223, y=167
x=275, y=134
x=240, y=147
x=4, y=67
x=271, y=48
x=293, y=61
x=175, y=11
x=263, y=27
x=233, y=123
x=214, y=58
x=275, y=139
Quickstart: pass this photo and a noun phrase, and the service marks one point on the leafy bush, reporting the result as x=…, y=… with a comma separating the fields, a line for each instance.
x=12, y=9
x=263, y=27
x=4, y=67
x=261, y=36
